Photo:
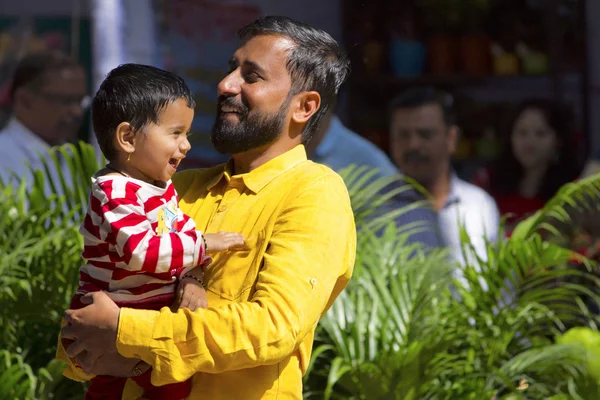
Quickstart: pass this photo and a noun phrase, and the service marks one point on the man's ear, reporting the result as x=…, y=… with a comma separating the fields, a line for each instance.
x=306, y=104
x=453, y=136
x=125, y=138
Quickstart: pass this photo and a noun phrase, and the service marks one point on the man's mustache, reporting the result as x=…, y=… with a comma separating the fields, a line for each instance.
x=231, y=104
x=71, y=122
x=415, y=157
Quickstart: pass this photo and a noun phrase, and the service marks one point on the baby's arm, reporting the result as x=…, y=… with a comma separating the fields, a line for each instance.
x=222, y=241
x=190, y=290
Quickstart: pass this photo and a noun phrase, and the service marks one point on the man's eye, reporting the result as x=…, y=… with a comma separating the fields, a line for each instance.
x=252, y=77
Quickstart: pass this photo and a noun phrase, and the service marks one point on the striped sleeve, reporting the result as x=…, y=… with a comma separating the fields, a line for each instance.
x=131, y=233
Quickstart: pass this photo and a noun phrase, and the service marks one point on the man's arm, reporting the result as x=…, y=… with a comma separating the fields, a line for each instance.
x=12, y=170
x=312, y=246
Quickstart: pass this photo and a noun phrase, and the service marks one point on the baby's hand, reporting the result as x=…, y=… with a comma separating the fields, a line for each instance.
x=190, y=294
x=221, y=241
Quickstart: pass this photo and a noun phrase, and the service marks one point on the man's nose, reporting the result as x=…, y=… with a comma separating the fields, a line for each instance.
x=76, y=110
x=231, y=84
x=76, y=107
x=413, y=142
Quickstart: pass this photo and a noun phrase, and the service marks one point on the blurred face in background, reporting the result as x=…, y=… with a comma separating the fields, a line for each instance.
x=54, y=108
x=534, y=143
x=422, y=143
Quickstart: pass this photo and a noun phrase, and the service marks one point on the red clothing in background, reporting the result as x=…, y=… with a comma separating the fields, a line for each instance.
x=514, y=206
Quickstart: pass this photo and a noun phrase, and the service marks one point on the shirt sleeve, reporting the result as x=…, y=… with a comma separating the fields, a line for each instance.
x=12, y=169
x=125, y=225
x=490, y=225
x=307, y=264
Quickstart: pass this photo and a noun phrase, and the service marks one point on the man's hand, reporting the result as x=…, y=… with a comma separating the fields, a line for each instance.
x=190, y=293
x=93, y=330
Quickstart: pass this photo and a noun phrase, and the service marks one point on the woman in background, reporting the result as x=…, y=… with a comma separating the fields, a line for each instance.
x=538, y=157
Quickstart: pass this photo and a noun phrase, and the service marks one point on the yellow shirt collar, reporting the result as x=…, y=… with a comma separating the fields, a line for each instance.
x=258, y=178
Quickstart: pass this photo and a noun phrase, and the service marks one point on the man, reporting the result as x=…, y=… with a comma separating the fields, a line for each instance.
x=423, y=137
x=255, y=340
x=338, y=147
x=49, y=96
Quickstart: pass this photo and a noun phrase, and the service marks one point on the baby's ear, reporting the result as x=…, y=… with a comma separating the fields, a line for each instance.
x=125, y=138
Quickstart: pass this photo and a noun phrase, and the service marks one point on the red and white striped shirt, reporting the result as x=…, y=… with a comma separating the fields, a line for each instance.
x=137, y=242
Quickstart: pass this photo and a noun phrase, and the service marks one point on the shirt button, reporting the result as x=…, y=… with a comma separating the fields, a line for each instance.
x=313, y=281
x=222, y=208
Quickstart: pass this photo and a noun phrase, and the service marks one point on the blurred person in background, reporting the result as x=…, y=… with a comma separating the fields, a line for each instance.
x=338, y=147
x=423, y=137
x=49, y=98
x=536, y=160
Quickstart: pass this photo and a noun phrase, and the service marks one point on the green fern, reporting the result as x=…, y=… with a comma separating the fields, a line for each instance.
x=369, y=195
x=19, y=381
x=398, y=330
x=572, y=198
x=39, y=263
x=406, y=329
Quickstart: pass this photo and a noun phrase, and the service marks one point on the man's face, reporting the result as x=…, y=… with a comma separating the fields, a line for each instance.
x=421, y=143
x=254, y=97
x=55, y=109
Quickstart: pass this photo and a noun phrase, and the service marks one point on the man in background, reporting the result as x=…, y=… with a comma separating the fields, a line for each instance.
x=338, y=147
x=423, y=138
x=49, y=97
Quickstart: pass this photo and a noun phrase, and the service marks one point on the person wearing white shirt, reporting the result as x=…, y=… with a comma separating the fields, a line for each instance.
x=423, y=137
x=338, y=147
x=49, y=96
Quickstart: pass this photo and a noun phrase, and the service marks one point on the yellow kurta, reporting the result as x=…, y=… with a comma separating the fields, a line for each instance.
x=255, y=339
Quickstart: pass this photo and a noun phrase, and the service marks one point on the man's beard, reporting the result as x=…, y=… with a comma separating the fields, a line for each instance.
x=251, y=131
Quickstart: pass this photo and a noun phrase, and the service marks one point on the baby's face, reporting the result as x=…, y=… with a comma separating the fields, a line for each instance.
x=160, y=147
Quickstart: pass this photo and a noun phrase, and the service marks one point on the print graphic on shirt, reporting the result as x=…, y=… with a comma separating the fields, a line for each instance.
x=167, y=219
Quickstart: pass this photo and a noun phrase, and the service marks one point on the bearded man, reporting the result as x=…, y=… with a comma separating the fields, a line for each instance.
x=255, y=339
